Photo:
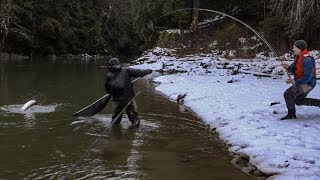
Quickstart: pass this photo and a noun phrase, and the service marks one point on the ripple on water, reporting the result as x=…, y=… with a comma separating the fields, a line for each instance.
x=125, y=123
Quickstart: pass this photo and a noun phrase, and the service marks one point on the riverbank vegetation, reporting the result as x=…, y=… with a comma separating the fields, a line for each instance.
x=110, y=27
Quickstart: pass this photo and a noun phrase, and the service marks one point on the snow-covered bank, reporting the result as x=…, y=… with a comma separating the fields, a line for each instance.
x=237, y=106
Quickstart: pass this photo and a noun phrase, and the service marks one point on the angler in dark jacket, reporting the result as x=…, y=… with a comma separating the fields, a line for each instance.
x=118, y=84
x=304, y=70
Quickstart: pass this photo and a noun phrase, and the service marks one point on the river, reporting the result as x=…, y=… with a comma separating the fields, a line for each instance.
x=47, y=142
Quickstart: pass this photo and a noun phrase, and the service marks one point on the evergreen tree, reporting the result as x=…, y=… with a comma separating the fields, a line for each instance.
x=113, y=27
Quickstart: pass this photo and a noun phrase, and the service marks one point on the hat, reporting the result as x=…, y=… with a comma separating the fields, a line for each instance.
x=300, y=44
x=114, y=61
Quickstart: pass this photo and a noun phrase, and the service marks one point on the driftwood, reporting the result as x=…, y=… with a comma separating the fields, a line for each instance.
x=274, y=103
x=257, y=74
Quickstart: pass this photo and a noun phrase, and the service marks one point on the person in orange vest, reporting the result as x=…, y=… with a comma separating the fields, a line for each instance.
x=304, y=70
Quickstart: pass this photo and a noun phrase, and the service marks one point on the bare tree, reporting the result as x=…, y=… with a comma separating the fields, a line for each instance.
x=297, y=12
x=9, y=23
x=5, y=18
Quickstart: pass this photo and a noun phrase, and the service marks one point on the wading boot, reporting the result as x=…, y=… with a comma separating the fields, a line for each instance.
x=291, y=115
x=136, y=123
x=315, y=102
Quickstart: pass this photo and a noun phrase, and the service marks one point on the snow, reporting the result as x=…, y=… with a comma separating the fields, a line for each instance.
x=172, y=31
x=208, y=21
x=237, y=106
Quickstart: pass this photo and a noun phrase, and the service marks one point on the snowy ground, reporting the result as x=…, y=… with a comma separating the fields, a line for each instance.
x=233, y=100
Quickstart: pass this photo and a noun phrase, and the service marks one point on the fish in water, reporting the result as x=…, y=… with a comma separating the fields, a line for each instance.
x=27, y=105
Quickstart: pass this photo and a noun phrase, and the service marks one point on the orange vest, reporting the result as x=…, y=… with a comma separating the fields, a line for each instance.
x=298, y=72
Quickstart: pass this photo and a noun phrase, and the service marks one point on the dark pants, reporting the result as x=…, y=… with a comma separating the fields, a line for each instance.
x=296, y=95
x=131, y=110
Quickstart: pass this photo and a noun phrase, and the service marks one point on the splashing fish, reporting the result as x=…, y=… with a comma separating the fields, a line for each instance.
x=27, y=105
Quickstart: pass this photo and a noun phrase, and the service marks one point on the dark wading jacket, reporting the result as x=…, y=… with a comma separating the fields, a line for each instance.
x=118, y=82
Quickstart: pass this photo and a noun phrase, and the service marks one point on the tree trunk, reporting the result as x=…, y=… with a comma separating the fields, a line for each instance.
x=195, y=14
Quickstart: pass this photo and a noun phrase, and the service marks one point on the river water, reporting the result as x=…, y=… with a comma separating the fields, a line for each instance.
x=47, y=142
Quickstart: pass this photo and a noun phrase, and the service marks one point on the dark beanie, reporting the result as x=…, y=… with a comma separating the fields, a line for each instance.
x=300, y=44
x=114, y=61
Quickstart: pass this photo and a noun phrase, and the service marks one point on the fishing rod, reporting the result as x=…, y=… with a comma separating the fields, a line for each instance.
x=95, y=142
x=238, y=20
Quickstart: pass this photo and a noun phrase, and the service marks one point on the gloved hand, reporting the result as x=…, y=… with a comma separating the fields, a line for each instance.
x=290, y=81
x=285, y=66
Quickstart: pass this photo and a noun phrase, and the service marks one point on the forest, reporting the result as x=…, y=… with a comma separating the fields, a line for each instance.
x=128, y=27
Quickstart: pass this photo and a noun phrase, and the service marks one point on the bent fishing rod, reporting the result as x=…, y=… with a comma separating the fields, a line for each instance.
x=238, y=20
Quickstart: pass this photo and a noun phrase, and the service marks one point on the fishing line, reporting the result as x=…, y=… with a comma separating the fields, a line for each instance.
x=234, y=18
x=95, y=142
x=179, y=118
x=188, y=124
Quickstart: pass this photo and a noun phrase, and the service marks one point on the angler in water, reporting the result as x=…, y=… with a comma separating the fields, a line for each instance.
x=118, y=84
x=304, y=70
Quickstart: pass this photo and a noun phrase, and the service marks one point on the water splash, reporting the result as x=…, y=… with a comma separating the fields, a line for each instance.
x=16, y=108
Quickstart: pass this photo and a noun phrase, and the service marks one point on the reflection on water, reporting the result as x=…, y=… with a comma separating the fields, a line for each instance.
x=46, y=141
